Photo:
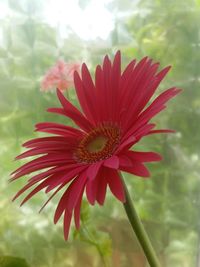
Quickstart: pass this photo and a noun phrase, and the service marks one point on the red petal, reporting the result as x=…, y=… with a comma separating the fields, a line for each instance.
x=140, y=87
x=86, y=94
x=45, y=150
x=56, y=191
x=137, y=75
x=128, y=140
x=37, y=189
x=143, y=156
x=86, y=79
x=70, y=197
x=116, y=185
x=101, y=190
x=112, y=162
x=36, y=167
x=42, y=140
x=45, y=161
x=61, y=206
x=161, y=131
x=77, y=211
x=137, y=168
x=73, y=113
x=126, y=76
x=52, y=126
x=23, y=189
x=66, y=177
x=158, y=78
x=91, y=190
x=59, y=111
x=52, y=170
x=75, y=189
x=93, y=169
x=66, y=223
x=114, y=89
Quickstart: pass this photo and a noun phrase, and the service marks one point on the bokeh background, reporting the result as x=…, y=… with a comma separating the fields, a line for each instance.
x=33, y=36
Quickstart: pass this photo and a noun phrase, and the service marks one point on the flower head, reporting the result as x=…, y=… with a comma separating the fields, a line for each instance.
x=114, y=116
x=60, y=76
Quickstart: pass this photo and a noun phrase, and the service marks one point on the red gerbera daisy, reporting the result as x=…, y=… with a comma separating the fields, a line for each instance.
x=89, y=157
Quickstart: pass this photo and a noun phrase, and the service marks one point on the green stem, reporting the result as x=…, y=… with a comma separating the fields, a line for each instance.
x=95, y=244
x=139, y=230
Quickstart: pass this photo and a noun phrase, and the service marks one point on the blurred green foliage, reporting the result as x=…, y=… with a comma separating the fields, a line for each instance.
x=169, y=202
x=7, y=261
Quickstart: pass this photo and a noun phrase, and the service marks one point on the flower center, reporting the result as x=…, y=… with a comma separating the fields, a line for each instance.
x=98, y=144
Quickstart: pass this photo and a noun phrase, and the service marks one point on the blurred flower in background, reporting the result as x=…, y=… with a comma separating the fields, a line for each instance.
x=60, y=76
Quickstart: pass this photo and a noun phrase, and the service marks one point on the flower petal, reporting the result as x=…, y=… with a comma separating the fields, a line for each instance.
x=73, y=113
x=86, y=94
x=42, y=140
x=116, y=185
x=66, y=223
x=77, y=211
x=112, y=162
x=51, y=127
x=37, y=189
x=66, y=177
x=93, y=169
x=91, y=190
x=101, y=190
x=161, y=131
x=137, y=168
x=74, y=191
x=143, y=156
x=54, y=193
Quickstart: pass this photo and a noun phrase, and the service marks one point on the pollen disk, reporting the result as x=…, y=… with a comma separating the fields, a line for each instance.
x=98, y=144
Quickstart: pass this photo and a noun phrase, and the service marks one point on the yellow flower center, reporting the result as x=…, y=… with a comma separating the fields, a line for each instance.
x=98, y=144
